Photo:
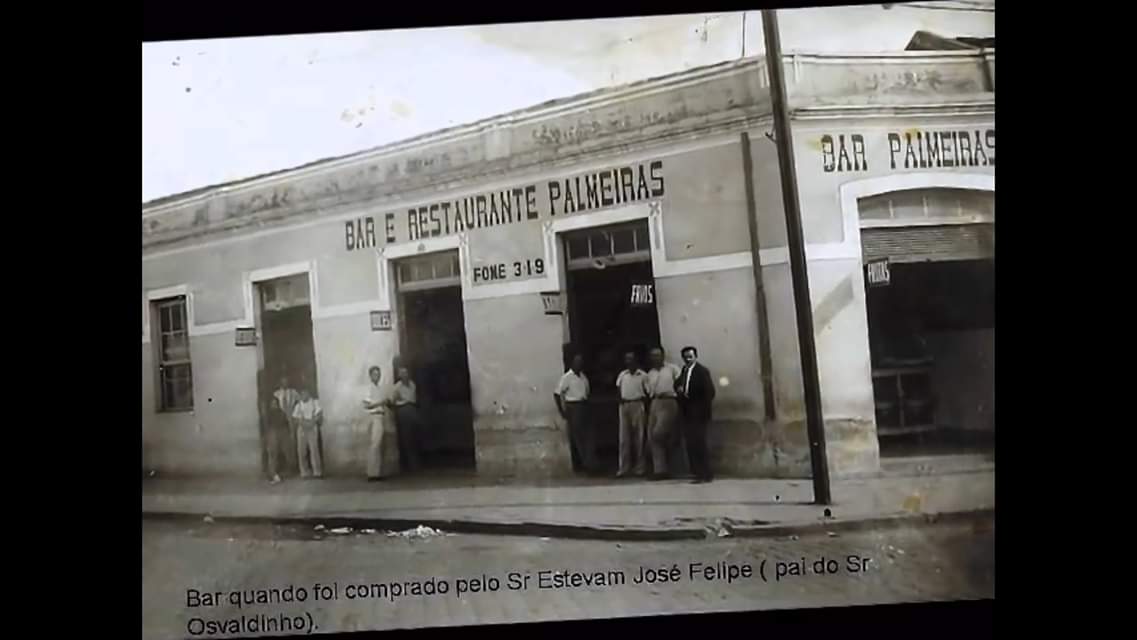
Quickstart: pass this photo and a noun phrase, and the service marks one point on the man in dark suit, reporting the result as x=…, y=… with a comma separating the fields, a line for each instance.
x=696, y=391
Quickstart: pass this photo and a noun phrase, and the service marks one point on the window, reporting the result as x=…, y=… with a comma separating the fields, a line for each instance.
x=175, y=376
x=429, y=271
x=947, y=205
x=615, y=245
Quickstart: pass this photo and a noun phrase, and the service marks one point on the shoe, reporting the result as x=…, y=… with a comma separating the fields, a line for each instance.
x=375, y=479
x=275, y=480
x=621, y=474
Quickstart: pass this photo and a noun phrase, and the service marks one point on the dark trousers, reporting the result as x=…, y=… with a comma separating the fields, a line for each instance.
x=580, y=435
x=407, y=427
x=695, y=433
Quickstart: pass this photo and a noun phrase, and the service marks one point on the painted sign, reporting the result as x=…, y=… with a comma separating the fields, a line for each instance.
x=643, y=294
x=380, y=320
x=246, y=337
x=907, y=150
x=553, y=302
x=879, y=274
x=504, y=272
x=489, y=210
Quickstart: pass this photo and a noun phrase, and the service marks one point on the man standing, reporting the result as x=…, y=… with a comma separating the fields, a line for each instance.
x=376, y=405
x=571, y=397
x=309, y=417
x=696, y=390
x=280, y=426
x=407, y=420
x=663, y=411
x=632, y=383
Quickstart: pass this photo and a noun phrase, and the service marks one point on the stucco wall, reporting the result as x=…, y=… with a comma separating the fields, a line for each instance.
x=515, y=363
x=221, y=435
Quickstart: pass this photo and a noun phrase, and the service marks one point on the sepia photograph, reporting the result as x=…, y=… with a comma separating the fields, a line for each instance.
x=547, y=321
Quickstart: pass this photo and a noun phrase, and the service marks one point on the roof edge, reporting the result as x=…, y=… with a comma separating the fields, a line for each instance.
x=589, y=99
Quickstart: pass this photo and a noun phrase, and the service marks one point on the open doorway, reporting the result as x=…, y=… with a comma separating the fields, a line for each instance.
x=930, y=296
x=287, y=351
x=433, y=347
x=612, y=309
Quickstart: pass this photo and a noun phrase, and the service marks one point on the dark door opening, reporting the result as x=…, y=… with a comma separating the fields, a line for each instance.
x=434, y=349
x=284, y=316
x=612, y=309
x=932, y=338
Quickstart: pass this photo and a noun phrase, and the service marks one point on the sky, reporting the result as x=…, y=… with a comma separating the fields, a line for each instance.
x=215, y=111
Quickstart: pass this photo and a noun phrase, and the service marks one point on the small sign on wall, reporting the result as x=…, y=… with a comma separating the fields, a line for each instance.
x=246, y=337
x=380, y=320
x=553, y=302
x=878, y=273
x=642, y=294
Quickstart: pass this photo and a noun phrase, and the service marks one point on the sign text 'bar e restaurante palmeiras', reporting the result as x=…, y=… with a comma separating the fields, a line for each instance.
x=577, y=194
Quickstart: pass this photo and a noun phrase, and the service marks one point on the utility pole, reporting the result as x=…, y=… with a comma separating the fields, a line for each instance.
x=803, y=305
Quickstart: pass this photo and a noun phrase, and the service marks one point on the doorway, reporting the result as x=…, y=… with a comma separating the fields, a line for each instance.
x=930, y=297
x=433, y=347
x=287, y=350
x=612, y=308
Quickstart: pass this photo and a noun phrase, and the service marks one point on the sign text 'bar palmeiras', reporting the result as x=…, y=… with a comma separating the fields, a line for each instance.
x=563, y=196
x=246, y=337
x=914, y=149
x=878, y=272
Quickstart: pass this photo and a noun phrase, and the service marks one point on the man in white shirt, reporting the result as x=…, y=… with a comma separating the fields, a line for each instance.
x=571, y=396
x=377, y=404
x=308, y=417
x=632, y=383
x=663, y=412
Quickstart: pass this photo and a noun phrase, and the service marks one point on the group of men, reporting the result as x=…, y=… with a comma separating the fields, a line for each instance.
x=398, y=401
x=298, y=412
x=655, y=407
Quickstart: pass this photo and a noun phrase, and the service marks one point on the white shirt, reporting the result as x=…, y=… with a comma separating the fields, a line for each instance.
x=377, y=394
x=307, y=412
x=632, y=384
x=687, y=379
x=661, y=382
x=573, y=387
x=286, y=399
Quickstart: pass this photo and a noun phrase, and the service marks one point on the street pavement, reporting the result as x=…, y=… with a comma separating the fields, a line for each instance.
x=942, y=561
x=601, y=503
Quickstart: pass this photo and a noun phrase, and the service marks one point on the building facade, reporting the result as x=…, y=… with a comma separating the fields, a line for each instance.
x=651, y=213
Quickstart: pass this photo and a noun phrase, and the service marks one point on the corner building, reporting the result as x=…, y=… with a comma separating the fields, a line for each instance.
x=480, y=255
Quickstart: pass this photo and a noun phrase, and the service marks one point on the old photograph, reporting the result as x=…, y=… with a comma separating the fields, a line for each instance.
x=564, y=320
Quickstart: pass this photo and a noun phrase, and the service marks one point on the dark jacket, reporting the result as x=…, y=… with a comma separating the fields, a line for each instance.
x=696, y=404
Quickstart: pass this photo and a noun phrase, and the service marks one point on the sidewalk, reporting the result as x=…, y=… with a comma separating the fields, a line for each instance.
x=598, y=508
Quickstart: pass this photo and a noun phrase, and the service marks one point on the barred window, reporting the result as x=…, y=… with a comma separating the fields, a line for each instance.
x=175, y=374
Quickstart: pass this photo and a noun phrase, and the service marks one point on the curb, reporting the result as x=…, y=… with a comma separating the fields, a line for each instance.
x=593, y=532
x=867, y=524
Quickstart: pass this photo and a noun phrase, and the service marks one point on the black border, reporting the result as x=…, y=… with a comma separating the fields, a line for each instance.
x=111, y=508
x=216, y=19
